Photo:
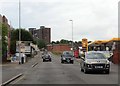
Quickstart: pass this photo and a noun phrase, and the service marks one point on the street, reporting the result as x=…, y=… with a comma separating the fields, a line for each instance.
x=56, y=73
x=71, y=42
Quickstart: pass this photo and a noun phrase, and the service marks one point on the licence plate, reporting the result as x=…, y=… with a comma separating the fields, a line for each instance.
x=46, y=59
x=68, y=60
x=98, y=66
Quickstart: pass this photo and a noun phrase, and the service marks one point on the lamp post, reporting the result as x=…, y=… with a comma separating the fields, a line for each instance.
x=19, y=31
x=72, y=33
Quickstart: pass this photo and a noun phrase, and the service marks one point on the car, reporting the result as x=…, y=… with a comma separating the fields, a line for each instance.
x=94, y=61
x=47, y=57
x=67, y=56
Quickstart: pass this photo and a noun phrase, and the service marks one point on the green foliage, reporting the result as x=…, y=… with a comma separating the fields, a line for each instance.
x=4, y=30
x=57, y=42
x=63, y=41
x=25, y=36
x=34, y=41
x=13, y=46
x=40, y=43
x=53, y=42
x=4, y=38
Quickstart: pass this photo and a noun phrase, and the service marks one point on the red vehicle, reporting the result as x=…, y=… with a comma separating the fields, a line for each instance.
x=76, y=53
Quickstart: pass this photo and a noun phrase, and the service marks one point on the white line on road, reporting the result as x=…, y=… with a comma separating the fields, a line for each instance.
x=18, y=80
x=34, y=64
x=12, y=79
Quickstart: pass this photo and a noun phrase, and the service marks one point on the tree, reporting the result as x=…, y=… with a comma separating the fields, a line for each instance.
x=53, y=42
x=25, y=36
x=40, y=43
x=63, y=41
x=4, y=29
x=57, y=42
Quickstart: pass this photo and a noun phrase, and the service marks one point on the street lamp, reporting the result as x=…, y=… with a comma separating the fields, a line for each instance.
x=19, y=31
x=72, y=33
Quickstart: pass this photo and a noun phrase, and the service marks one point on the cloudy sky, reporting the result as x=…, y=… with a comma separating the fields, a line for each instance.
x=92, y=19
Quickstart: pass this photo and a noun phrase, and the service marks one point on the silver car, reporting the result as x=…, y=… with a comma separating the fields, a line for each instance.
x=94, y=61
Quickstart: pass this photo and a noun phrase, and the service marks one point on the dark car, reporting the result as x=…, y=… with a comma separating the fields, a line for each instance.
x=67, y=56
x=94, y=61
x=47, y=57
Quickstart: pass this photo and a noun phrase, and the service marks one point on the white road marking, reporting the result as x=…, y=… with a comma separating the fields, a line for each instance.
x=18, y=80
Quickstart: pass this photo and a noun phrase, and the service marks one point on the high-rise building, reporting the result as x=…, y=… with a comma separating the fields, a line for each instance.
x=32, y=31
x=43, y=33
x=46, y=34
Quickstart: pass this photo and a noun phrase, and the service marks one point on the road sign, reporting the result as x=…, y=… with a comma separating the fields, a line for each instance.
x=84, y=45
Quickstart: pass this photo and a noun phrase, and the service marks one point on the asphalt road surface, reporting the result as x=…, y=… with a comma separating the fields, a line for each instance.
x=56, y=73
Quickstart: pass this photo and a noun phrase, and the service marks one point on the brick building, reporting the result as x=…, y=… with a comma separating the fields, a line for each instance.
x=43, y=33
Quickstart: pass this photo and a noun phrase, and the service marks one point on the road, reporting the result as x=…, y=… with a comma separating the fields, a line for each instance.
x=56, y=73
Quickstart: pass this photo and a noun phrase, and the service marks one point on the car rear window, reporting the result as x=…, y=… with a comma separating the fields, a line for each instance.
x=95, y=56
x=67, y=55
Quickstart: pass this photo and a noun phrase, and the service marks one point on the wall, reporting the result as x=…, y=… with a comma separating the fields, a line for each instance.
x=58, y=47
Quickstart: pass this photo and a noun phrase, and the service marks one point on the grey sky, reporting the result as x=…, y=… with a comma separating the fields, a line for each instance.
x=92, y=19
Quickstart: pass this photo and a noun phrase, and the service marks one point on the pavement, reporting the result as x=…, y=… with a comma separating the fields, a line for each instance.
x=9, y=70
